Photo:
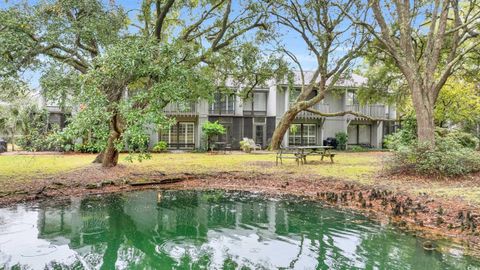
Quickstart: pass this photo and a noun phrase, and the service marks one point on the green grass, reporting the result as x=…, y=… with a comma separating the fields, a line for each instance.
x=354, y=166
x=23, y=167
x=359, y=167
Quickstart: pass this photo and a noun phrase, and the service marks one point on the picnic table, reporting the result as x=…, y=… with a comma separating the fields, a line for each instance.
x=320, y=150
x=300, y=153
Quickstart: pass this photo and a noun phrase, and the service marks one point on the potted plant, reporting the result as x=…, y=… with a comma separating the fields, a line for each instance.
x=342, y=139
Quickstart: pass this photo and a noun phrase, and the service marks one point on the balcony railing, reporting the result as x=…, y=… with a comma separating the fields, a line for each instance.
x=324, y=108
x=377, y=111
x=181, y=109
x=218, y=111
x=254, y=112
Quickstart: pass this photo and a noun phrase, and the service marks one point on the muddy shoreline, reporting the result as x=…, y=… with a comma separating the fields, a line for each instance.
x=421, y=214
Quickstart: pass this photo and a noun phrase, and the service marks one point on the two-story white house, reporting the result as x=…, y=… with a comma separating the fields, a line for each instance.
x=257, y=116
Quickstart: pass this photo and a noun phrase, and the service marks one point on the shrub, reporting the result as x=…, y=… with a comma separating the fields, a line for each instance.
x=59, y=141
x=465, y=139
x=358, y=148
x=88, y=147
x=454, y=152
x=39, y=139
x=245, y=145
x=406, y=136
x=342, y=139
x=447, y=158
x=161, y=146
x=398, y=139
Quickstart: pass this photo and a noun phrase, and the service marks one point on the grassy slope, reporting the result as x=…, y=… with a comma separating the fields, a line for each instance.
x=19, y=168
x=360, y=167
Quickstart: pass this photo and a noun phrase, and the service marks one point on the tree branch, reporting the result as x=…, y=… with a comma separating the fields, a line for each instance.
x=161, y=16
x=346, y=113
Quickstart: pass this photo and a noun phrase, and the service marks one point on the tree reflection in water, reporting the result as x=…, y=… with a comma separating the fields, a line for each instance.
x=212, y=230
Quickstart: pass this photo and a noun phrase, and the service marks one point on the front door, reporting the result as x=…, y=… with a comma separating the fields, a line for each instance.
x=227, y=137
x=260, y=135
x=186, y=135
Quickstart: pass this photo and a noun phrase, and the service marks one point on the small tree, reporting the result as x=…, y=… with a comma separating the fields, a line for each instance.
x=211, y=129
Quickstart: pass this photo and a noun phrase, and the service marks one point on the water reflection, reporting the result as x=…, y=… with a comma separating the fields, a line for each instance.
x=205, y=230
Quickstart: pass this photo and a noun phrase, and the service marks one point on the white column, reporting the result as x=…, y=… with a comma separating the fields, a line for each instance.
x=202, y=109
x=377, y=134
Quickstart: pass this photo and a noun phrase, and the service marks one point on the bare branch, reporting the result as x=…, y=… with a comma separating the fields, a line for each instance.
x=195, y=26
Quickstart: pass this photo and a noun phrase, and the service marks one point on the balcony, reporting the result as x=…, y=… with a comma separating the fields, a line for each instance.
x=256, y=105
x=181, y=109
x=325, y=108
x=375, y=111
x=254, y=113
x=218, y=111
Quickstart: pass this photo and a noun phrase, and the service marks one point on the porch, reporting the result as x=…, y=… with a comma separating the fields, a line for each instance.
x=365, y=133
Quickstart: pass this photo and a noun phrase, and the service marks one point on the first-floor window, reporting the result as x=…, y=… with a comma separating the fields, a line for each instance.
x=180, y=135
x=309, y=134
x=364, y=134
x=302, y=134
x=295, y=134
x=359, y=134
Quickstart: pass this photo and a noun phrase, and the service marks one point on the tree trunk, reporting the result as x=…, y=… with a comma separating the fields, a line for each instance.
x=99, y=158
x=425, y=118
x=283, y=126
x=110, y=154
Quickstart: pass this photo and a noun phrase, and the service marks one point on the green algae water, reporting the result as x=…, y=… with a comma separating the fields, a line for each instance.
x=207, y=230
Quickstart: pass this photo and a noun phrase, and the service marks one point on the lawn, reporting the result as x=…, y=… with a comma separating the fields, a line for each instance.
x=360, y=167
x=352, y=166
x=24, y=167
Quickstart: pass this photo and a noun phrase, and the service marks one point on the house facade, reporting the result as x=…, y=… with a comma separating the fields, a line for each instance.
x=257, y=116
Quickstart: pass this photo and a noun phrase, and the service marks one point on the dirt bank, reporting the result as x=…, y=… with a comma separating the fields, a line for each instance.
x=422, y=213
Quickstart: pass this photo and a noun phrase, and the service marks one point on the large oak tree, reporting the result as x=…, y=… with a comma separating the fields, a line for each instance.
x=428, y=41
x=122, y=72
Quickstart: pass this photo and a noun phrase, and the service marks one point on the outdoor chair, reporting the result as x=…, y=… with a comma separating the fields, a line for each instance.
x=252, y=144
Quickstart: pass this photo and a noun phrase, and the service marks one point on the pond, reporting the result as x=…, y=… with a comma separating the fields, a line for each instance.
x=207, y=230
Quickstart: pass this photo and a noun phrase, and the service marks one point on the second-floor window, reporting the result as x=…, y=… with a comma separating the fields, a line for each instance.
x=351, y=98
x=223, y=104
x=256, y=103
